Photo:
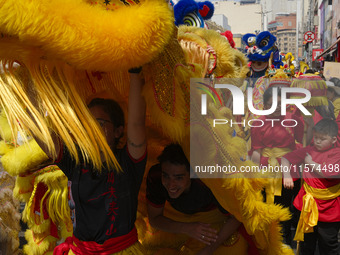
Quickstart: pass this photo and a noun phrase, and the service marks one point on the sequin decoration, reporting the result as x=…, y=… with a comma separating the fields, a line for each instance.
x=163, y=76
x=232, y=239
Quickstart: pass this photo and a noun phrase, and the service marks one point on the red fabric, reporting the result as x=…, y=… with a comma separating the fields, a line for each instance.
x=109, y=247
x=54, y=230
x=133, y=159
x=252, y=249
x=338, y=122
x=276, y=136
x=317, y=117
x=329, y=210
x=63, y=248
x=39, y=194
x=228, y=34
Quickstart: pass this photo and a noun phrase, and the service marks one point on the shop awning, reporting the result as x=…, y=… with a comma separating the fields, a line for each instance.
x=329, y=49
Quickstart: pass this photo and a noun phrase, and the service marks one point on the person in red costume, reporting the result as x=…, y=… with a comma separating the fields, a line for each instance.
x=319, y=197
x=272, y=141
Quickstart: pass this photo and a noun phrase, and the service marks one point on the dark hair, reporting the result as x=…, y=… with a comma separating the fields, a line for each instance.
x=112, y=108
x=268, y=94
x=322, y=76
x=336, y=81
x=326, y=111
x=326, y=127
x=309, y=71
x=174, y=154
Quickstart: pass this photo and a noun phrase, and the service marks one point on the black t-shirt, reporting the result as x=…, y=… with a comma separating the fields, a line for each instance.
x=106, y=202
x=199, y=198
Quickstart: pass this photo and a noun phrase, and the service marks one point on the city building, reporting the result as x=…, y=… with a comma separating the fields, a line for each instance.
x=242, y=15
x=221, y=20
x=273, y=7
x=284, y=28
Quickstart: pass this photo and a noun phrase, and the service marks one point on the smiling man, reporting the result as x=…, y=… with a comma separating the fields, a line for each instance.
x=170, y=181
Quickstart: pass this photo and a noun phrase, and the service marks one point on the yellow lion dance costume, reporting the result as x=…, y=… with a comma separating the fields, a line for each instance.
x=68, y=57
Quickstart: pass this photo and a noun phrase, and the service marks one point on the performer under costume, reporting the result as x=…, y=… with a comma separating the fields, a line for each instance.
x=116, y=191
x=197, y=205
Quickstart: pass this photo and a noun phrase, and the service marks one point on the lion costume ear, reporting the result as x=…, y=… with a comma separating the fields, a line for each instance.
x=206, y=9
x=249, y=42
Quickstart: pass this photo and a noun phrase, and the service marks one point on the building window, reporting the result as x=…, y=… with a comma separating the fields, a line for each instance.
x=289, y=23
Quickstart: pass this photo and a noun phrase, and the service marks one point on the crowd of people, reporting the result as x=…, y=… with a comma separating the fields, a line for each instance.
x=310, y=189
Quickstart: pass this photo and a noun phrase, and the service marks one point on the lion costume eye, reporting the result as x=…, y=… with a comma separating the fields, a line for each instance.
x=264, y=42
x=192, y=19
x=251, y=41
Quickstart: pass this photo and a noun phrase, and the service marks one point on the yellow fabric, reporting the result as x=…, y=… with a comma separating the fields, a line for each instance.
x=336, y=104
x=274, y=187
x=309, y=212
x=135, y=249
x=312, y=85
x=155, y=241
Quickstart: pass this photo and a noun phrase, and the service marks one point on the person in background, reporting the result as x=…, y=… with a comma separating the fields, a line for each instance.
x=319, y=197
x=269, y=143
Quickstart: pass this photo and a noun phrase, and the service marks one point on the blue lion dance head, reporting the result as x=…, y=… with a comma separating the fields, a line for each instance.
x=259, y=48
x=192, y=13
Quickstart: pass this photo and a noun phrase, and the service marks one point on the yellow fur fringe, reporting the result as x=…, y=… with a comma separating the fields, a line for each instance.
x=66, y=112
x=38, y=244
x=55, y=199
x=5, y=148
x=23, y=158
x=5, y=129
x=23, y=187
x=87, y=36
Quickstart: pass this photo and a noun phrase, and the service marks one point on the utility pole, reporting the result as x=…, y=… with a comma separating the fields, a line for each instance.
x=298, y=20
x=264, y=21
x=310, y=21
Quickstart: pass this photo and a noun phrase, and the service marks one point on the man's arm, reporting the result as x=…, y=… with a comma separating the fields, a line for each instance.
x=136, y=118
x=229, y=227
x=198, y=230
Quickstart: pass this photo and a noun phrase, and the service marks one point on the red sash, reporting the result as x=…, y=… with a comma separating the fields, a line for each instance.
x=109, y=247
x=252, y=249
